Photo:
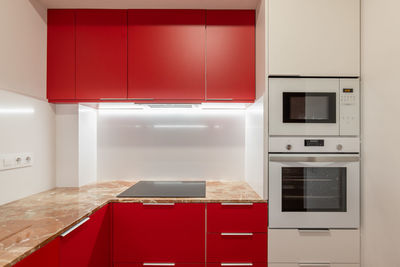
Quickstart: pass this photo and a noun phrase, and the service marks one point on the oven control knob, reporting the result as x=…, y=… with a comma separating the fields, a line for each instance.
x=339, y=147
x=288, y=146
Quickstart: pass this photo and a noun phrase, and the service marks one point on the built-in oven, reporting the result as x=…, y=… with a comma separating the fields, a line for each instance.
x=314, y=106
x=312, y=188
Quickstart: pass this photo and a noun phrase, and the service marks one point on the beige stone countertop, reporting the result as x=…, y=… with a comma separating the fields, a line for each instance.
x=29, y=223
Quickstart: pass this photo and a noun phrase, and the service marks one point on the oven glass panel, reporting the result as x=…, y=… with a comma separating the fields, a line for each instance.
x=314, y=189
x=309, y=107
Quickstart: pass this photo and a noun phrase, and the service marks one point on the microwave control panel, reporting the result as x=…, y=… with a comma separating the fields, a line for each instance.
x=349, y=93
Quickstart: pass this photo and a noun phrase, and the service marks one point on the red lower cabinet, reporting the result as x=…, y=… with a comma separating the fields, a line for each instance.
x=237, y=234
x=90, y=243
x=237, y=247
x=159, y=264
x=47, y=256
x=236, y=264
x=163, y=233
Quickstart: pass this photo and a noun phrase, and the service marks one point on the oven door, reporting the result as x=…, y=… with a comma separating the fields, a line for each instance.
x=304, y=106
x=314, y=191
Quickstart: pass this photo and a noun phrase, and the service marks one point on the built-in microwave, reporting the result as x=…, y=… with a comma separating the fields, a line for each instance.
x=314, y=107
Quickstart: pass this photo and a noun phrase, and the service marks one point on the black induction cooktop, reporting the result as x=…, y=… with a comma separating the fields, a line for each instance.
x=174, y=189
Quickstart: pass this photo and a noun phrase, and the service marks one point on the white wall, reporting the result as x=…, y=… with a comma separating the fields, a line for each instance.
x=67, y=145
x=23, y=35
x=255, y=128
x=202, y=144
x=87, y=145
x=26, y=123
x=380, y=72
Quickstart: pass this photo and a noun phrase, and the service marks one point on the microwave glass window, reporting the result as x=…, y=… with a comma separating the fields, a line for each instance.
x=314, y=189
x=309, y=107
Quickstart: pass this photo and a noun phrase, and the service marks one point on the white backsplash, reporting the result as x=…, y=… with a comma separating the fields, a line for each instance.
x=171, y=144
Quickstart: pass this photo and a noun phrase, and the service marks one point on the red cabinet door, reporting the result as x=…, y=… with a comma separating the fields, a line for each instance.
x=230, y=247
x=60, y=54
x=237, y=217
x=160, y=264
x=166, y=54
x=101, y=54
x=89, y=244
x=230, y=55
x=46, y=256
x=158, y=233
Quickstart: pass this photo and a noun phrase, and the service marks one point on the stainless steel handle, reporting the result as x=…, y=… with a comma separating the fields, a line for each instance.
x=74, y=227
x=310, y=231
x=125, y=99
x=314, y=159
x=158, y=264
x=316, y=264
x=237, y=264
x=145, y=98
x=221, y=99
x=236, y=234
x=159, y=204
x=236, y=204
x=114, y=99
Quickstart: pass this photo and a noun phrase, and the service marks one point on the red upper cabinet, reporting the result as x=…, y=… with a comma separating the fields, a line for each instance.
x=230, y=55
x=101, y=54
x=60, y=54
x=46, y=256
x=166, y=54
x=90, y=243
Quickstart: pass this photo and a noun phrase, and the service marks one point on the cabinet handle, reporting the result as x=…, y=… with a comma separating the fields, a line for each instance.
x=74, y=227
x=159, y=264
x=236, y=234
x=237, y=264
x=315, y=264
x=145, y=98
x=126, y=99
x=159, y=204
x=236, y=204
x=310, y=231
x=220, y=99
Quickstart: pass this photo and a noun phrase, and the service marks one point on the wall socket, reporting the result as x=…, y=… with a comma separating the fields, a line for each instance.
x=15, y=160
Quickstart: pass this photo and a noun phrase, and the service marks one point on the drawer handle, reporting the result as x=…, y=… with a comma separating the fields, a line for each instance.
x=315, y=264
x=74, y=227
x=158, y=204
x=310, y=231
x=220, y=99
x=158, y=264
x=237, y=264
x=236, y=234
x=237, y=204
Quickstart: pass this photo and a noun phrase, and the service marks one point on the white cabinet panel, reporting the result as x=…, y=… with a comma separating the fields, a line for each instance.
x=296, y=246
x=314, y=37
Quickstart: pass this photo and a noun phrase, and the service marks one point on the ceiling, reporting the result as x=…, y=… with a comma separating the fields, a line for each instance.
x=151, y=4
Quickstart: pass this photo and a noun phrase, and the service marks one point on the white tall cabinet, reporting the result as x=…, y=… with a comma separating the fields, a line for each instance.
x=314, y=37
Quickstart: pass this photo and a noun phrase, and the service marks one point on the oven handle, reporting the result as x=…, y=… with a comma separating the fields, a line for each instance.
x=314, y=159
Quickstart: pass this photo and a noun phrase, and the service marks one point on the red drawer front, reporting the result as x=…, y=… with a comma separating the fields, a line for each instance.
x=159, y=233
x=155, y=265
x=233, y=264
x=237, y=218
x=233, y=248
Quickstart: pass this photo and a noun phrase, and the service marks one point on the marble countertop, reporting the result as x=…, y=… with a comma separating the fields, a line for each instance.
x=29, y=223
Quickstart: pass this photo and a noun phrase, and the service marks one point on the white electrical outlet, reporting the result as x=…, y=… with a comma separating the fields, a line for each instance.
x=15, y=160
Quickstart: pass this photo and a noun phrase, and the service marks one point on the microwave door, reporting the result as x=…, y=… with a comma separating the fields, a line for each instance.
x=320, y=192
x=304, y=107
